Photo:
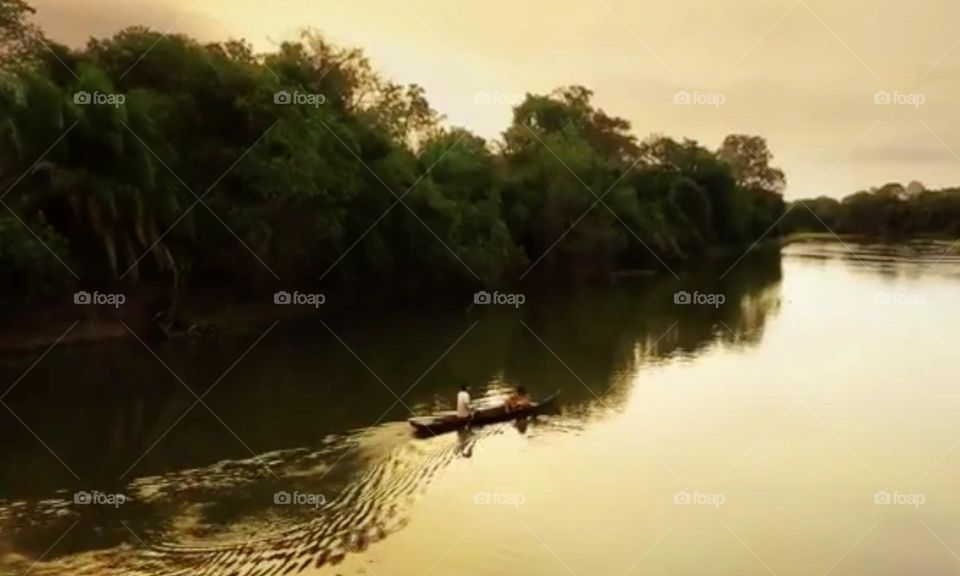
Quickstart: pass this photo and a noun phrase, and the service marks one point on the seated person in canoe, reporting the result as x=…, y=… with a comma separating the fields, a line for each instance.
x=518, y=399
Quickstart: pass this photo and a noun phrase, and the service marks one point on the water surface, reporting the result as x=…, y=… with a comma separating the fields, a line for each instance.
x=807, y=425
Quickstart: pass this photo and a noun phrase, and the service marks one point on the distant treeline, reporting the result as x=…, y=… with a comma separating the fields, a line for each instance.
x=891, y=211
x=153, y=158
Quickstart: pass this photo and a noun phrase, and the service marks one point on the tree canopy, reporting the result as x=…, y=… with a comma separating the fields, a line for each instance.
x=889, y=211
x=165, y=160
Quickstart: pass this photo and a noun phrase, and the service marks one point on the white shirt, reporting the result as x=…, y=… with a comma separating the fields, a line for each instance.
x=463, y=404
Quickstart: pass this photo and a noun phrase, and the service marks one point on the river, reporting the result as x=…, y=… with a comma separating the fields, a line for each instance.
x=799, y=416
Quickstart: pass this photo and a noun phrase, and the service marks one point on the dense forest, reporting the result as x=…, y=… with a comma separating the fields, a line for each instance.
x=152, y=159
x=890, y=211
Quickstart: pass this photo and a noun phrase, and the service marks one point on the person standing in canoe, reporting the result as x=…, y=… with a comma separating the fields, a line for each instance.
x=463, y=403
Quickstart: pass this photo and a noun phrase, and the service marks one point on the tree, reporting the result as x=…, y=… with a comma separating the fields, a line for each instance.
x=562, y=154
x=308, y=159
x=729, y=204
x=761, y=183
x=694, y=203
x=18, y=37
x=750, y=158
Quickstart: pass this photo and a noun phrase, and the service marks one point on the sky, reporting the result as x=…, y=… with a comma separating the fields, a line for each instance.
x=849, y=94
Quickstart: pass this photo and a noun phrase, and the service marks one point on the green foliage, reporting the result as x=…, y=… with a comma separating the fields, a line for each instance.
x=29, y=270
x=17, y=35
x=891, y=211
x=323, y=168
x=750, y=159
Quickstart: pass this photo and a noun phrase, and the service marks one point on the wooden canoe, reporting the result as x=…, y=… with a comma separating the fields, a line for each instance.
x=448, y=421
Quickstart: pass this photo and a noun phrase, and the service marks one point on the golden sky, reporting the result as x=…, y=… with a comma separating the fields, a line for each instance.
x=805, y=74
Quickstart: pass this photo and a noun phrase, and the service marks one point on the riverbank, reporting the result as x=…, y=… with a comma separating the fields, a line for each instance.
x=224, y=309
x=831, y=237
x=43, y=327
x=199, y=315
